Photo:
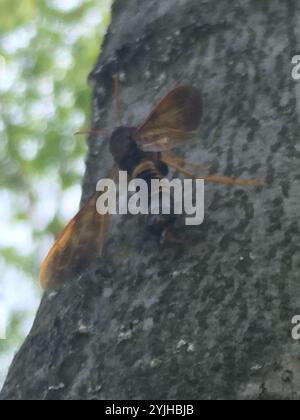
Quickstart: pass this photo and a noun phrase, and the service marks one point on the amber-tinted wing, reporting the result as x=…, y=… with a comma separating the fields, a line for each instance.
x=192, y=171
x=76, y=247
x=173, y=122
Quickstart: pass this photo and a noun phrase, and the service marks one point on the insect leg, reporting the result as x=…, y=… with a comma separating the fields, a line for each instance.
x=215, y=179
x=169, y=157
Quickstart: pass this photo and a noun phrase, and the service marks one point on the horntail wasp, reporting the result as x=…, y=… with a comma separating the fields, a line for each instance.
x=144, y=152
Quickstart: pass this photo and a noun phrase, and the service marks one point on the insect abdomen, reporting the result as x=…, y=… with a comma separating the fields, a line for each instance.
x=156, y=223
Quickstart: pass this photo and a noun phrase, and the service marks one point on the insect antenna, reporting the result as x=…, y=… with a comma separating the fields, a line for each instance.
x=85, y=132
x=117, y=98
x=117, y=111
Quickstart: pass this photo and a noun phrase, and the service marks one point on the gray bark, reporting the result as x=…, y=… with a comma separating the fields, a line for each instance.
x=211, y=320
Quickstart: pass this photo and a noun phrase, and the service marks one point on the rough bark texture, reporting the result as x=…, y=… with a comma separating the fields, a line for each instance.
x=211, y=320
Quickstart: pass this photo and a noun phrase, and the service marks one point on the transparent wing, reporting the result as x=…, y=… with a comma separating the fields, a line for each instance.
x=77, y=246
x=173, y=122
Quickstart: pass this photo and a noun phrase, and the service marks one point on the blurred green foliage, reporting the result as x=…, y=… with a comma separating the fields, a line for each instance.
x=47, y=49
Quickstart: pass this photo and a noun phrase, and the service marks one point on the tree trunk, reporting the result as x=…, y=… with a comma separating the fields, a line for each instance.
x=212, y=319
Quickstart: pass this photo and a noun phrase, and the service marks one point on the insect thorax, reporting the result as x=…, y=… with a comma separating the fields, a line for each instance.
x=124, y=148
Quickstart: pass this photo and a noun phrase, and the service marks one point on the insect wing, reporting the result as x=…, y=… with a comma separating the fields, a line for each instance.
x=77, y=246
x=173, y=122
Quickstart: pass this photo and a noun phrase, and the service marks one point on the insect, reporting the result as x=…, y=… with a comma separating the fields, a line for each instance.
x=144, y=152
